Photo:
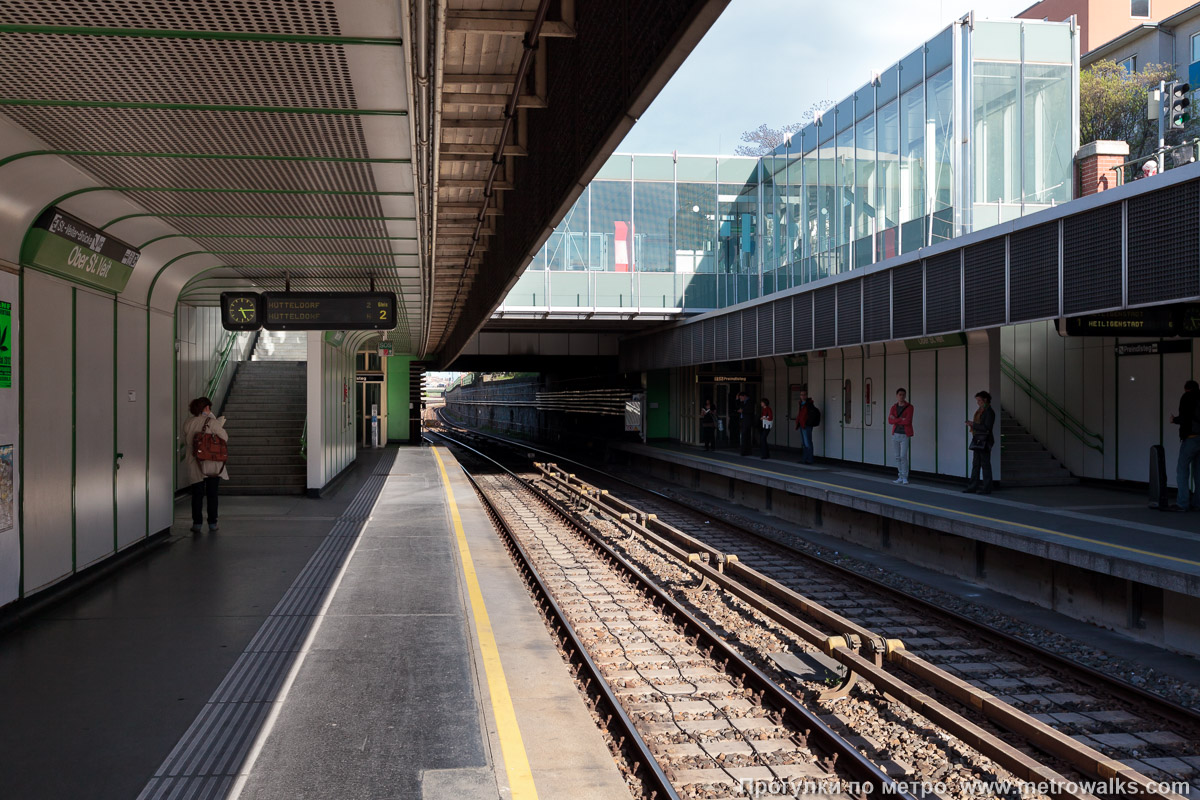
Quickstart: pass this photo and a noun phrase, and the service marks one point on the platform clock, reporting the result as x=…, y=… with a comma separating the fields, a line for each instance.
x=241, y=311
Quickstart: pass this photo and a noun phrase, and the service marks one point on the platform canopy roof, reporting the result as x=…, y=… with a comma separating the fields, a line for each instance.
x=426, y=148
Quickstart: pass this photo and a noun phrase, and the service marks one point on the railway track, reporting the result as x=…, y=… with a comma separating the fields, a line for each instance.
x=1086, y=722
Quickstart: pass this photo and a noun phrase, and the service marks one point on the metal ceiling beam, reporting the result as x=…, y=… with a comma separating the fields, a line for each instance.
x=467, y=183
x=505, y=23
x=480, y=150
x=451, y=124
x=465, y=210
x=490, y=100
x=459, y=78
x=200, y=157
x=178, y=215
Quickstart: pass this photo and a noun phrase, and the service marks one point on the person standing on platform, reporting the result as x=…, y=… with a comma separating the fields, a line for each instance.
x=204, y=476
x=1187, y=468
x=807, y=418
x=980, y=427
x=767, y=417
x=708, y=426
x=900, y=418
x=745, y=423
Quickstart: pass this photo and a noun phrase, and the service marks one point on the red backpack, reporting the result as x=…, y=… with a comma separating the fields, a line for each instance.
x=209, y=446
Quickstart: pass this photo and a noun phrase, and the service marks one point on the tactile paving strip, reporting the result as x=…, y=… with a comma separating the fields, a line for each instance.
x=208, y=757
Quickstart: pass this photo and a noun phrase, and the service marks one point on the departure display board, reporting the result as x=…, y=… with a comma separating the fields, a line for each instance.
x=1180, y=319
x=328, y=311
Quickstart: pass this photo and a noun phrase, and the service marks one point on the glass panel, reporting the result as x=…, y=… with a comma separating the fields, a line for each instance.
x=826, y=130
x=567, y=248
x=940, y=111
x=1195, y=47
x=697, y=225
x=614, y=289
x=699, y=291
x=794, y=248
x=886, y=90
x=737, y=170
x=570, y=289
x=864, y=101
x=939, y=52
x=1049, y=43
x=768, y=222
x=779, y=194
x=912, y=69
x=825, y=220
x=1139, y=8
x=844, y=199
x=887, y=150
x=653, y=226
x=914, y=161
x=610, y=214
x=653, y=168
x=616, y=168
x=529, y=290
x=996, y=41
x=996, y=126
x=864, y=182
x=844, y=114
x=1047, y=133
x=695, y=168
x=657, y=291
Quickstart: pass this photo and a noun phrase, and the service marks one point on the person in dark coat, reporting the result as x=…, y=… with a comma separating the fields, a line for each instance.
x=980, y=425
x=805, y=417
x=745, y=423
x=1187, y=468
x=708, y=426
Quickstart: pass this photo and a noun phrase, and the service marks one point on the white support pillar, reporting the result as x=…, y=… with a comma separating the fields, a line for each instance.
x=316, y=412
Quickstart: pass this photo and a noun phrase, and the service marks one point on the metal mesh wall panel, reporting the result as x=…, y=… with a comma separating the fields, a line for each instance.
x=825, y=313
x=877, y=311
x=782, y=310
x=1092, y=260
x=676, y=347
x=749, y=320
x=1164, y=260
x=802, y=322
x=849, y=317
x=765, y=329
x=710, y=340
x=695, y=343
x=983, y=283
x=1033, y=273
x=908, y=291
x=722, y=334
x=943, y=293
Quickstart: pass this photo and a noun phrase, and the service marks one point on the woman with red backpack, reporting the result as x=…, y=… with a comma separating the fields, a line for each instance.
x=204, y=437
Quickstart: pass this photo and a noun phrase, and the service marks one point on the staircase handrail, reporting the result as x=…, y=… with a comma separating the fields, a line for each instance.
x=1069, y=422
x=221, y=356
x=304, y=441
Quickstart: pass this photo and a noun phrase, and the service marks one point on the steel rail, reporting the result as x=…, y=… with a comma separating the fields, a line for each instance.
x=576, y=651
x=818, y=732
x=1121, y=689
x=874, y=647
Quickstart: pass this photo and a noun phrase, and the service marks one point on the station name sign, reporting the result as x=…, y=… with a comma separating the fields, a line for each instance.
x=67, y=246
x=1181, y=319
x=309, y=311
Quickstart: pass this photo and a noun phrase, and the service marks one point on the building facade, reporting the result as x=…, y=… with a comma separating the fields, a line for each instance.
x=877, y=175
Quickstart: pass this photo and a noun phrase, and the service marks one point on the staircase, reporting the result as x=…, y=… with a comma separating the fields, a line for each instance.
x=1024, y=461
x=265, y=415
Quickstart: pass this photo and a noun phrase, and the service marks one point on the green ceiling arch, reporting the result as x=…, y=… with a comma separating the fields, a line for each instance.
x=170, y=33
x=202, y=157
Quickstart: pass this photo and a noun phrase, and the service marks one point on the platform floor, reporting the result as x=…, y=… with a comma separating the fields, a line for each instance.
x=1110, y=531
x=329, y=647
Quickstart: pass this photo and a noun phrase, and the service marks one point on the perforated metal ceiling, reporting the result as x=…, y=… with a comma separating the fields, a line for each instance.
x=240, y=125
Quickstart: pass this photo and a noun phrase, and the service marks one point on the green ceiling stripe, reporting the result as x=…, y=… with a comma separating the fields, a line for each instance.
x=229, y=36
x=202, y=156
x=181, y=215
x=149, y=242
x=351, y=112
x=200, y=190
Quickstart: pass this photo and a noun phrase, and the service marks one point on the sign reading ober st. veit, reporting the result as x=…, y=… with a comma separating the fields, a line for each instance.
x=69, y=247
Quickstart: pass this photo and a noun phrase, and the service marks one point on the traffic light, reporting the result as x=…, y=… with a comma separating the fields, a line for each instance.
x=1177, y=111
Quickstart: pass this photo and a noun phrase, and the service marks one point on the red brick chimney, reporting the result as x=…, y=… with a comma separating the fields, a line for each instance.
x=1095, y=163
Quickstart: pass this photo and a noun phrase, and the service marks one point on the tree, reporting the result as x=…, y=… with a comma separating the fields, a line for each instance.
x=763, y=139
x=1112, y=104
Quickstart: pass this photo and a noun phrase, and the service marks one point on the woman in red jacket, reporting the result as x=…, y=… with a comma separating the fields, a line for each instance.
x=900, y=418
x=767, y=417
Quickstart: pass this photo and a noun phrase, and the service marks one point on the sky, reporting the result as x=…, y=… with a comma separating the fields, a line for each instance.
x=771, y=60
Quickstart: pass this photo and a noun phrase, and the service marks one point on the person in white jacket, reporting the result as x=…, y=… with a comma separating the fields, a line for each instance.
x=204, y=476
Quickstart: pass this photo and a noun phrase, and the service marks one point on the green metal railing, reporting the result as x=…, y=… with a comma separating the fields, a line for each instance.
x=1069, y=422
x=222, y=359
x=304, y=442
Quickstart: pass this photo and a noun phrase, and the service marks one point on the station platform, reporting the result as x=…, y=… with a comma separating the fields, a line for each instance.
x=1109, y=532
x=376, y=642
